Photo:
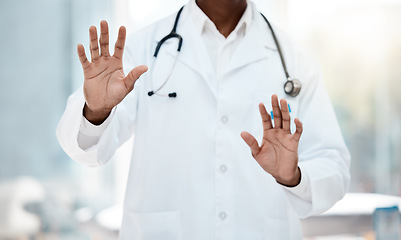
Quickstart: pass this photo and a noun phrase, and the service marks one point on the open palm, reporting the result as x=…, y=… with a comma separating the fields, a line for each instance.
x=105, y=83
x=278, y=153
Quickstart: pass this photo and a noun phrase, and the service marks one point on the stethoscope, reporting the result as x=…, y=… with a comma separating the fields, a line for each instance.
x=292, y=86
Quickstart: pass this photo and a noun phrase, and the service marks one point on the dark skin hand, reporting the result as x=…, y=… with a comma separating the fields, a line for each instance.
x=105, y=84
x=278, y=153
x=225, y=14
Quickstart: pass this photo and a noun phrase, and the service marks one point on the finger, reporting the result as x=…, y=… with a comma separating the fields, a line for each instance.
x=252, y=143
x=94, y=43
x=119, y=47
x=298, y=132
x=82, y=56
x=285, y=114
x=266, y=118
x=132, y=76
x=104, y=39
x=276, y=112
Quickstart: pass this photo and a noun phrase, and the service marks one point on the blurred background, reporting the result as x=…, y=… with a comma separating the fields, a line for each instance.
x=46, y=195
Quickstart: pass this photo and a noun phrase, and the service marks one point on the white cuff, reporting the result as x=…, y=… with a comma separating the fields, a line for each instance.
x=88, y=129
x=89, y=134
x=302, y=190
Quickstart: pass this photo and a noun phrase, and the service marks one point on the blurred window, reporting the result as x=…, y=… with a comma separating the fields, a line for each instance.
x=357, y=44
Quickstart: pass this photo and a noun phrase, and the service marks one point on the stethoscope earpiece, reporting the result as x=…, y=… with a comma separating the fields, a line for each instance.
x=172, y=95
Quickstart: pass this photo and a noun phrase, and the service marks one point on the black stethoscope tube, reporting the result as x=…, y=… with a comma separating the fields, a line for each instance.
x=172, y=34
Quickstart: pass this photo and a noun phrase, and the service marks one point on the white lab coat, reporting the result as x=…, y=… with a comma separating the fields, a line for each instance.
x=191, y=175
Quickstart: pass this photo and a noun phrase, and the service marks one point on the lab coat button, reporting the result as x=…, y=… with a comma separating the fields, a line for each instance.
x=223, y=168
x=224, y=119
x=223, y=215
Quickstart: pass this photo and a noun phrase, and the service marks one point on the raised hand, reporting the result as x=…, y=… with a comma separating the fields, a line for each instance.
x=105, y=84
x=278, y=153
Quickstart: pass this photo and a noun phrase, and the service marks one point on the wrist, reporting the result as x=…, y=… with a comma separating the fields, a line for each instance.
x=95, y=117
x=291, y=181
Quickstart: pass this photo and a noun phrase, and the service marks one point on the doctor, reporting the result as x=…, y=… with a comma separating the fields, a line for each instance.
x=193, y=173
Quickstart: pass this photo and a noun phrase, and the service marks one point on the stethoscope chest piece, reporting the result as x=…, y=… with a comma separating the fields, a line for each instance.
x=292, y=87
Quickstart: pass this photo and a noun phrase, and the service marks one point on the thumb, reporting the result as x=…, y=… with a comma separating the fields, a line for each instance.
x=132, y=76
x=252, y=143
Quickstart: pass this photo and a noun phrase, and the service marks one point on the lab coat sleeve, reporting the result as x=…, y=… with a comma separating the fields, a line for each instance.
x=302, y=190
x=89, y=134
x=324, y=159
x=107, y=137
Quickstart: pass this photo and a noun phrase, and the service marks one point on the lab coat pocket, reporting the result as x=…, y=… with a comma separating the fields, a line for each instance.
x=276, y=229
x=152, y=226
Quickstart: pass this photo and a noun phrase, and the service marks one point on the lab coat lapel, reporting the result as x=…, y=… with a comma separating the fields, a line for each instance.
x=194, y=53
x=256, y=45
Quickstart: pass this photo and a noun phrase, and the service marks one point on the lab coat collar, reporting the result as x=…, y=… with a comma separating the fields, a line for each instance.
x=257, y=44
